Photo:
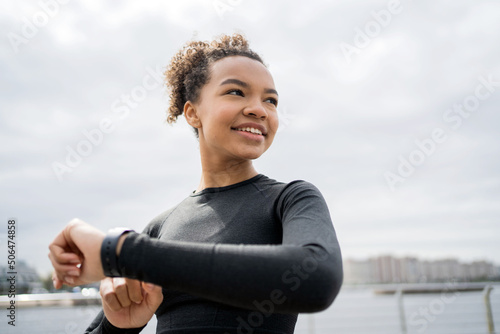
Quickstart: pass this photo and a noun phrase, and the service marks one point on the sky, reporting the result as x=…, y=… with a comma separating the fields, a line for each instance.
x=389, y=107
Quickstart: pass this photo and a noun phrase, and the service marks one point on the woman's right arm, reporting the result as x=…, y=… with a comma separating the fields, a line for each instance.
x=128, y=305
x=101, y=325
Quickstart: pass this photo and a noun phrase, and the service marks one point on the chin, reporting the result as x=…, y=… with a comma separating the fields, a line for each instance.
x=251, y=155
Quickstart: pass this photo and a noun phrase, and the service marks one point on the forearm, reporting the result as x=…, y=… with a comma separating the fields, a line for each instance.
x=295, y=278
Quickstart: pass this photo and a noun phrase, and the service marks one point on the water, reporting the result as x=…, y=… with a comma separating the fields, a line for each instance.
x=57, y=320
x=359, y=310
x=356, y=310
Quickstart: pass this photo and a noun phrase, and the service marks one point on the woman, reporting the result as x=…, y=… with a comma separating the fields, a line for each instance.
x=241, y=254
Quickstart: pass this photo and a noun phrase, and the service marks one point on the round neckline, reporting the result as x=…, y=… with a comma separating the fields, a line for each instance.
x=225, y=188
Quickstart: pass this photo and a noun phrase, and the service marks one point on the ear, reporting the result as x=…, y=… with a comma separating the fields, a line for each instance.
x=191, y=115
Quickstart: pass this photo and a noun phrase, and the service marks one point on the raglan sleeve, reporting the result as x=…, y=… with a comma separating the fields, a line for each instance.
x=303, y=274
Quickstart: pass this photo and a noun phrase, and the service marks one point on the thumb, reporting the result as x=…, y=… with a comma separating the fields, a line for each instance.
x=154, y=294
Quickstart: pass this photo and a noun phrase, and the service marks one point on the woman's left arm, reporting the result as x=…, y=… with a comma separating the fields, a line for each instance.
x=303, y=274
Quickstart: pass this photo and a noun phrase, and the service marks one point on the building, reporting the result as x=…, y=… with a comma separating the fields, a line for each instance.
x=389, y=269
x=27, y=279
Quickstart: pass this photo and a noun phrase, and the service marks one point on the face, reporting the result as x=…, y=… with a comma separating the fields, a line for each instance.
x=236, y=114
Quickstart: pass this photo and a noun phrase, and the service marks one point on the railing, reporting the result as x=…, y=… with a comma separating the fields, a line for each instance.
x=54, y=299
x=450, y=310
x=487, y=302
x=489, y=313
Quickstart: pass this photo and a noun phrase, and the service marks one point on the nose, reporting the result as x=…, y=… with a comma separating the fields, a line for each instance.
x=256, y=109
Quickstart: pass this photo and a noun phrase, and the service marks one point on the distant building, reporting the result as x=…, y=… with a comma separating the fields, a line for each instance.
x=389, y=269
x=27, y=279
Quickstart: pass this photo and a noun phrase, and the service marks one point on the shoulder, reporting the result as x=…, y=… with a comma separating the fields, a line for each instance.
x=299, y=188
x=300, y=194
x=154, y=227
x=285, y=190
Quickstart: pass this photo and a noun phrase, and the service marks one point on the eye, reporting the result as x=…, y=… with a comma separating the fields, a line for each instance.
x=272, y=100
x=235, y=92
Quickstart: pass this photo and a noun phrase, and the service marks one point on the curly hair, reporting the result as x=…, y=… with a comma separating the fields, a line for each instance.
x=189, y=69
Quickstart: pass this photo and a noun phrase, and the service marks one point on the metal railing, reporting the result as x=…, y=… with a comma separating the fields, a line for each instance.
x=487, y=302
x=447, y=311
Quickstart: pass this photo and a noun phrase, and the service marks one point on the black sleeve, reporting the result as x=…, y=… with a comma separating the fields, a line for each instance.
x=101, y=325
x=303, y=274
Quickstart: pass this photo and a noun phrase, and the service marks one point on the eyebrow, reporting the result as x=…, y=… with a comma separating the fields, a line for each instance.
x=245, y=85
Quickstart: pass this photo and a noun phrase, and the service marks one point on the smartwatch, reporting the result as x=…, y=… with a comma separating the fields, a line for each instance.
x=109, y=259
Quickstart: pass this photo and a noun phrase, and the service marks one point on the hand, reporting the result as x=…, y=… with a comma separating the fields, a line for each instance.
x=75, y=254
x=129, y=303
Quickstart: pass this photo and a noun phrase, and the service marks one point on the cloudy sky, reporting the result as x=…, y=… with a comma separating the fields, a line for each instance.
x=389, y=108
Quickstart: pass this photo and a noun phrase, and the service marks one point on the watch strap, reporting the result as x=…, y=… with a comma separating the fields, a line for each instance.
x=109, y=259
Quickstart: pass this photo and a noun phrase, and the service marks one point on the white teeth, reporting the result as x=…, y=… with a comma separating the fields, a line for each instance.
x=252, y=130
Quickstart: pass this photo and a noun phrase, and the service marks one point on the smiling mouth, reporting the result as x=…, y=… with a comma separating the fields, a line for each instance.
x=251, y=130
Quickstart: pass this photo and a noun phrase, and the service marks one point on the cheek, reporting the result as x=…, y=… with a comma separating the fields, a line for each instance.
x=211, y=119
x=274, y=122
x=226, y=112
x=216, y=124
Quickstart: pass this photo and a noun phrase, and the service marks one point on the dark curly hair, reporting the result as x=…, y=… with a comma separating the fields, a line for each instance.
x=189, y=69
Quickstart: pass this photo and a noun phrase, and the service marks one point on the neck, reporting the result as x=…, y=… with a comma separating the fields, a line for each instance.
x=225, y=174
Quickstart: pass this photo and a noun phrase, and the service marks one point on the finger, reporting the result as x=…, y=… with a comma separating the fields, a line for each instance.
x=70, y=280
x=56, y=281
x=65, y=264
x=121, y=291
x=153, y=296
x=63, y=240
x=108, y=294
x=62, y=256
x=63, y=270
x=134, y=290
